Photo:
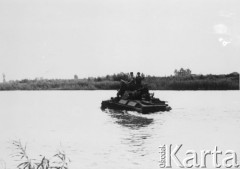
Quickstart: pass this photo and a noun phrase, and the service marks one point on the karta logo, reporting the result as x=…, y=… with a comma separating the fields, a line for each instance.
x=169, y=156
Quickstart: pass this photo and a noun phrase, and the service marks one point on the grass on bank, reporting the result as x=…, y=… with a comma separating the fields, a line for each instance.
x=112, y=82
x=58, y=161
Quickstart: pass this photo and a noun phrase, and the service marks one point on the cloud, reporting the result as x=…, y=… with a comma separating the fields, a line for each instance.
x=220, y=29
x=226, y=14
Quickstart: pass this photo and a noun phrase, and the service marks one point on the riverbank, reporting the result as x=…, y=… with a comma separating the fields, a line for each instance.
x=193, y=82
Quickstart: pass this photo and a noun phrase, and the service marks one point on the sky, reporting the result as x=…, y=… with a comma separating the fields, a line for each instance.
x=61, y=38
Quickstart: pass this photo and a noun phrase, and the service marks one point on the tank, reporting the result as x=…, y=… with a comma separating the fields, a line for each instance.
x=140, y=100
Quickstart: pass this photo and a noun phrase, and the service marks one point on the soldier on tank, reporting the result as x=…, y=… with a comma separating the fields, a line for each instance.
x=127, y=85
x=138, y=80
x=131, y=82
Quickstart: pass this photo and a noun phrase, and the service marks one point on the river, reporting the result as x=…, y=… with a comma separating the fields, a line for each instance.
x=48, y=121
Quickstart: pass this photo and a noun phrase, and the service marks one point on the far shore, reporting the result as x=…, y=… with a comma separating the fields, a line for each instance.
x=112, y=82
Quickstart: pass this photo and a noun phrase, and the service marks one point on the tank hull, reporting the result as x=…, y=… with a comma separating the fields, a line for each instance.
x=140, y=106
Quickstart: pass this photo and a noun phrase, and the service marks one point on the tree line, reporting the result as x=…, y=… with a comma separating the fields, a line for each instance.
x=112, y=82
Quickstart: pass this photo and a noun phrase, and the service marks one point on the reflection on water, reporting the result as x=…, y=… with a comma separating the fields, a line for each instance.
x=137, y=136
x=126, y=119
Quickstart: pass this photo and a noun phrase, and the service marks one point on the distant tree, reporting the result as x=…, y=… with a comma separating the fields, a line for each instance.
x=108, y=77
x=182, y=72
x=120, y=76
x=98, y=79
x=76, y=77
x=4, y=78
x=234, y=74
x=24, y=81
x=176, y=72
x=188, y=71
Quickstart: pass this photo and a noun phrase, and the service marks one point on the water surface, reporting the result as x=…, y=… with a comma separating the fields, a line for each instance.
x=73, y=121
